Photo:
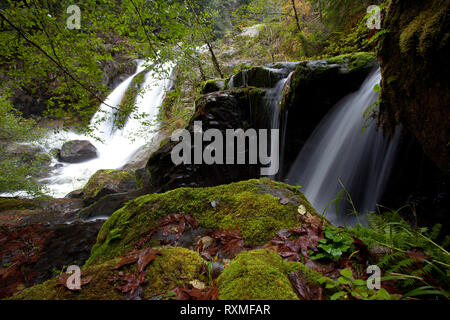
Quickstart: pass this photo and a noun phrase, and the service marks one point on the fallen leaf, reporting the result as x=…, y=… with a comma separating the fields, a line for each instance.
x=145, y=257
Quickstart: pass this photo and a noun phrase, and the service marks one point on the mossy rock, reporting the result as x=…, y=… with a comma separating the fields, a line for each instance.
x=212, y=86
x=256, y=275
x=261, y=76
x=105, y=182
x=414, y=65
x=7, y=204
x=173, y=268
x=127, y=104
x=253, y=206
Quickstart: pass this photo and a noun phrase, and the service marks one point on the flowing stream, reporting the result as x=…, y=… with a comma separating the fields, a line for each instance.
x=338, y=154
x=117, y=145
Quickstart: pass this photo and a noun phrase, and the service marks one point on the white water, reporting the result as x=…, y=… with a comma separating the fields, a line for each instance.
x=117, y=145
x=338, y=151
x=273, y=101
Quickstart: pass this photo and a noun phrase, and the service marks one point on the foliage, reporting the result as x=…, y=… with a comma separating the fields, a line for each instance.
x=415, y=259
x=347, y=287
x=335, y=243
x=15, y=173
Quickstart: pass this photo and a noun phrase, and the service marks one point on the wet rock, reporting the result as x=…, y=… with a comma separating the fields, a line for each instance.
x=238, y=108
x=142, y=178
x=107, y=205
x=38, y=238
x=212, y=86
x=311, y=92
x=118, y=70
x=105, y=182
x=414, y=65
x=76, y=151
x=76, y=194
x=262, y=77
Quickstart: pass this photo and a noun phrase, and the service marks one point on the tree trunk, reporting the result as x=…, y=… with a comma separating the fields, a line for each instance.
x=205, y=39
x=296, y=16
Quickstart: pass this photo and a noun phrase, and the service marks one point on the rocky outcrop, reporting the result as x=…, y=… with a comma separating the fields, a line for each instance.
x=117, y=70
x=235, y=109
x=77, y=151
x=414, y=62
x=312, y=90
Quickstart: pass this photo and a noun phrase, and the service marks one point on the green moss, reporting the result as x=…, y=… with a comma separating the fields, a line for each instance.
x=354, y=61
x=253, y=206
x=174, y=267
x=424, y=29
x=127, y=104
x=212, y=85
x=256, y=275
x=103, y=177
x=18, y=204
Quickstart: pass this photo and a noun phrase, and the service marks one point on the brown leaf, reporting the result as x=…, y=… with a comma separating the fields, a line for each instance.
x=127, y=258
x=145, y=257
x=183, y=293
x=304, y=289
x=417, y=255
x=132, y=282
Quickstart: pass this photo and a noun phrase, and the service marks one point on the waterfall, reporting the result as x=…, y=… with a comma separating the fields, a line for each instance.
x=272, y=100
x=117, y=145
x=339, y=152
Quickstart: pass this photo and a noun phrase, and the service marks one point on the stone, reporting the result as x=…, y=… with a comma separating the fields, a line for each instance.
x=77, y=151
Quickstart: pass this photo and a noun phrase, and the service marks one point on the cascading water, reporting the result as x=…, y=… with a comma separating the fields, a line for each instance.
x=273, y=99
x=117, y=145
x=338, y=154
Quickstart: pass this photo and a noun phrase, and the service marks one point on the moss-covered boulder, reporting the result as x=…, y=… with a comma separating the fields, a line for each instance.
x=414, y=64
x=173, y=267
x=261, y=76
x=253, y=206
x=105, y=182
x=212, y=86
x=256, y=275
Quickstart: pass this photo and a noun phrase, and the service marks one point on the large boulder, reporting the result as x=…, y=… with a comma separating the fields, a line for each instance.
x=259, y=208
x=414, y=64
x=234, y=109
x=105, y=182
x=76, y=151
